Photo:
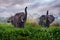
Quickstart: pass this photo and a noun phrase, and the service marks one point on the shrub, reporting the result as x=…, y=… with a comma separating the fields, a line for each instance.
x=8, y=32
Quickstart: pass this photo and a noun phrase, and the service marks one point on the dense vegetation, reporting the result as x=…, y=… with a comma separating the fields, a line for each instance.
x=29, y=32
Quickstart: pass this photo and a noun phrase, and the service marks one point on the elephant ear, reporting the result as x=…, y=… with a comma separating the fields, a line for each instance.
x=51, y=18
x=42, y=19
x=22, y=18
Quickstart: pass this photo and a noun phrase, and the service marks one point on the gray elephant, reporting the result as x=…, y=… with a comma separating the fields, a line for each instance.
x=46, y=20
x=19, y=19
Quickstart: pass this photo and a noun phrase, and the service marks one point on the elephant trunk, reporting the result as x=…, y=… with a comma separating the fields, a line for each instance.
x=25, y=16
x=47, y=12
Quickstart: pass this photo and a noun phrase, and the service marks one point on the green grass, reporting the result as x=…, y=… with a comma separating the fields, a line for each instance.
x=29, y=32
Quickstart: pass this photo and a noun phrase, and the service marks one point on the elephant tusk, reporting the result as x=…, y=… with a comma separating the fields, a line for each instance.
x=22, y=20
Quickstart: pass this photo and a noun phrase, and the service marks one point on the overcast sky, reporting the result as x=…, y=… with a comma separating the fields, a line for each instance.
x=36, y=8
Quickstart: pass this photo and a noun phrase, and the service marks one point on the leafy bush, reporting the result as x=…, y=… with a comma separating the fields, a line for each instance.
x=8, y=32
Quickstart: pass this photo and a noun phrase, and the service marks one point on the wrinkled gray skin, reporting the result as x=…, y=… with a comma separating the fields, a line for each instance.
x=19, y=19
x=46, y=20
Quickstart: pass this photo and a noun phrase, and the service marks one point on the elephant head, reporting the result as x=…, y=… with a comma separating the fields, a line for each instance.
x=46, y=19
x=21, y=17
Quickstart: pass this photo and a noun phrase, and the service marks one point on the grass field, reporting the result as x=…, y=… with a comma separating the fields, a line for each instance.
x=31, y=31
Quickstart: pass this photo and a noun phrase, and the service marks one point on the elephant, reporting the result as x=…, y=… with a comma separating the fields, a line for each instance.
x=46, y=20
x=19, y=19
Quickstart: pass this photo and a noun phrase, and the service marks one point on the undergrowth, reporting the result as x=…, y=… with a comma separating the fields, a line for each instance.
x=29, y=32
